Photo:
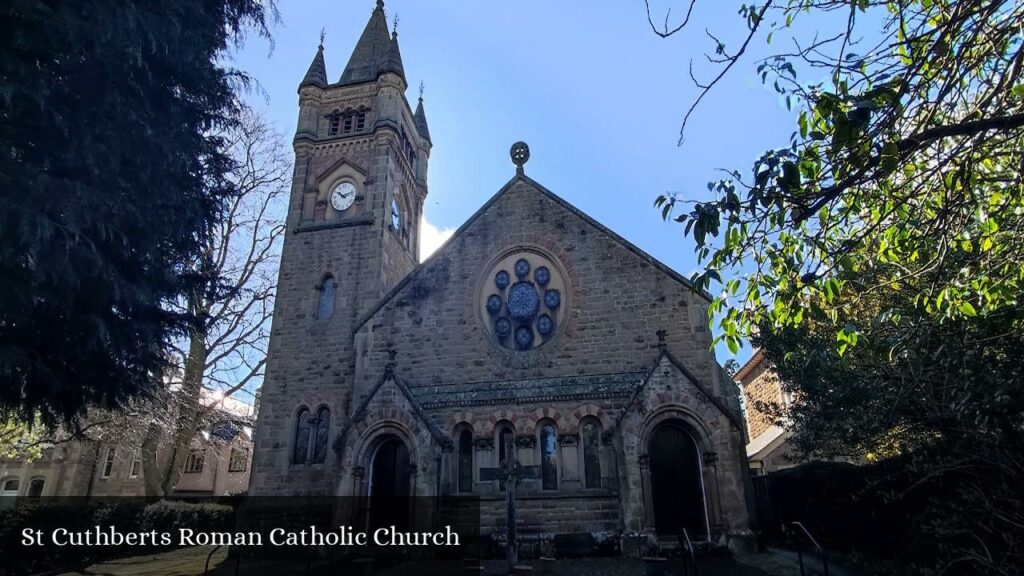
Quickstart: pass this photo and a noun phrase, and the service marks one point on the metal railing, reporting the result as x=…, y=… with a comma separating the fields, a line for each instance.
x=802, y=533
x=689, y=556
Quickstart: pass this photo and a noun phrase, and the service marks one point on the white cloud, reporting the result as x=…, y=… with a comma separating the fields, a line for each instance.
x=431, y=237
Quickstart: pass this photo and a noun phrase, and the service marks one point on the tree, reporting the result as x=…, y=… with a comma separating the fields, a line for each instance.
x=937, y=398
x=908, y=158
x=112, y=175
x=226, y=346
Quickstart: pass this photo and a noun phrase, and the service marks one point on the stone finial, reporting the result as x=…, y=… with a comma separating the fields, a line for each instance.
x=520, y=154
x=662, y=334
x=392, y=354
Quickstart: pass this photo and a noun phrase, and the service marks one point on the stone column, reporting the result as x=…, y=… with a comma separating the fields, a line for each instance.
x=712, y=499
x=359, y=517
x=645, y=484
x=569, y=461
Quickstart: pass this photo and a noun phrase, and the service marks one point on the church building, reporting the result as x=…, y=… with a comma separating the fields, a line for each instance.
x=535, y=335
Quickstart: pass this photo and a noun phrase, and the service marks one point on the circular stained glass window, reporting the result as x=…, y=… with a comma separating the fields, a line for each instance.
x=523, y=301
x=501, y=279
x=545, y=324
x=552, y=298
x=542, y=275
x=494, y=304
x=524, y=311
x=522, y=267
x=503, y=327
x=524, y=336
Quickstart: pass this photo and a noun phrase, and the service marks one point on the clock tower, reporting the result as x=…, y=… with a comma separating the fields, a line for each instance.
x=360, y=182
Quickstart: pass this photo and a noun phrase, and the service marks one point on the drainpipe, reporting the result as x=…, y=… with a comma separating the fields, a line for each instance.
x=92, y=475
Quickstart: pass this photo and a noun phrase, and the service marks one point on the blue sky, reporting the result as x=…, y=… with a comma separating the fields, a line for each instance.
x=586, y=83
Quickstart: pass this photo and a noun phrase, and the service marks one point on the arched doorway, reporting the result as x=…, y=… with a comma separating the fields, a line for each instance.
x=677, y=486
x=390, y=486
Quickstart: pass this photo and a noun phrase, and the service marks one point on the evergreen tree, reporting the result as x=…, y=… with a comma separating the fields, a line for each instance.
x=111, y=178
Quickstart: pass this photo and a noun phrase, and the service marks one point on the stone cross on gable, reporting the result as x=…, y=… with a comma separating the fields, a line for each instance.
x=511, y=472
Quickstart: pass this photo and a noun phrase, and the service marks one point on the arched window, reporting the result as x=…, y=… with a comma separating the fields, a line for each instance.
x=325, y=304
x=302, y=428
x=323, y=429
x=396, y=214
x=548, y=457
x=591, y=440
x=465, y=461
x=10, y=487
x=35, y=488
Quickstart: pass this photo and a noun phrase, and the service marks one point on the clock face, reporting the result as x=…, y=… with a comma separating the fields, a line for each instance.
x=343, y=196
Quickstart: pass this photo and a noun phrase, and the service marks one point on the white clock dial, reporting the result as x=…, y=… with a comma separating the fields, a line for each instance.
x=343, y=196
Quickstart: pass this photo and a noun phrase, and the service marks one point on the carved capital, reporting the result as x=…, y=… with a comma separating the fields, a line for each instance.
x=526, y=441
x=568, y=440
x=606, y=438
x=644, y=460
x=447, y=445
x=710, y=458
x=358, y=472
x=484, y=443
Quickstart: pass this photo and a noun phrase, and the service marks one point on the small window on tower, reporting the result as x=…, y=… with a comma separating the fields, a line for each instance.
x=361, y=121
x=396, y=215
x=325, y=301
x=348, y=123
x=335, y=122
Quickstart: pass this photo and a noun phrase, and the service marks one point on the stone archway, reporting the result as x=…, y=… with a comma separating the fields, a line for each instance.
x=676, y=481
x=390, y=484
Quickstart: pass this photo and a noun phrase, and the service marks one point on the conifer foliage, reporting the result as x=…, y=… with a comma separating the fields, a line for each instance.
x=111, y=177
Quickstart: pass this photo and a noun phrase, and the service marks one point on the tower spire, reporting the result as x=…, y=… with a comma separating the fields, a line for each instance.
x=316, y=75
x=419, y=118
x=375, y=52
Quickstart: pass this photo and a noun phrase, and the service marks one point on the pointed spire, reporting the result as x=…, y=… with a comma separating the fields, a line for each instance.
x=317, y=73
x=393, y=61
x=375, y=52
x=420, y=118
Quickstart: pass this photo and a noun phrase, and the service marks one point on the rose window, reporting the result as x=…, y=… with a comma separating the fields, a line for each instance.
x=521, y=296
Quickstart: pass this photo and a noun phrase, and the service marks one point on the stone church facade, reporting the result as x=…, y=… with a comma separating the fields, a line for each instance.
x=534, y=334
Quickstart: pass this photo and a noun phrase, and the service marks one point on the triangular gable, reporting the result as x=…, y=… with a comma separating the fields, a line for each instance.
x=705, y=392
x=389, y=377
x=440, y=252
x=327, y=172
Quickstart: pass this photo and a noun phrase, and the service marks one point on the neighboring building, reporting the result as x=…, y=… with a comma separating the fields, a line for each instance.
x=218, y=463
x=534, y=332
x=768, y=446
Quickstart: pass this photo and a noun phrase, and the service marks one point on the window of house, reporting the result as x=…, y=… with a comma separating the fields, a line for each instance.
x=465, y=461
x=322, y=434
x=325, y=302
x=239, y=459
x=591, y=440
x=194, y=460
x=35, y=488
x=108, y=463
x=136, y=466
x=549, y=457
x=300, y=452
x=11, y=487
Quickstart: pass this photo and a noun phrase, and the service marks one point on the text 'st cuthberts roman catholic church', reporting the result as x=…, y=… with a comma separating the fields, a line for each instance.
x=534, y=333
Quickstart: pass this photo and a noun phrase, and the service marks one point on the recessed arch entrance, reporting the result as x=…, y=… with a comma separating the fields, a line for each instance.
x=390, y=484
x=676, y=480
